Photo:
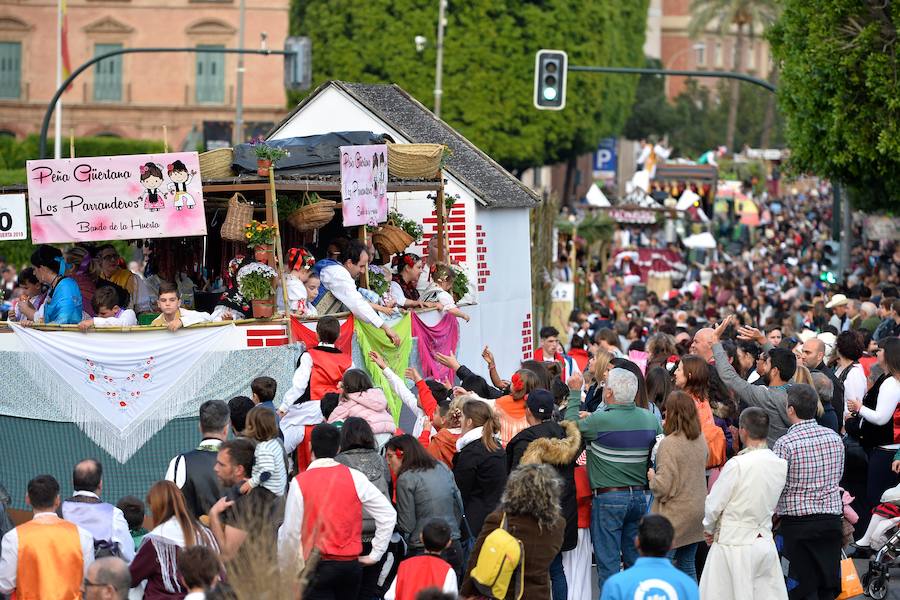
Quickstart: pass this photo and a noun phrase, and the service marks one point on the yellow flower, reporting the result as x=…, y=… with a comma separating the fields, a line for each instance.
x=249, y=235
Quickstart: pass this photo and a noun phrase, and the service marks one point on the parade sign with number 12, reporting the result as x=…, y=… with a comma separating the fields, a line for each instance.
x=115, y=198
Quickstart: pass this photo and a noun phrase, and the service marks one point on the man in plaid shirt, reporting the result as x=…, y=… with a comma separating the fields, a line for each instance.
x=809, y=533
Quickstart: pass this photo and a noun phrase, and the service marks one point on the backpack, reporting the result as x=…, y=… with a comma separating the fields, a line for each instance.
x=713, y=434
x=499, y=569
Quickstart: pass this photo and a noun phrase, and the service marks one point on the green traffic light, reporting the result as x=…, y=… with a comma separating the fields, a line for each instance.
x=549, y=93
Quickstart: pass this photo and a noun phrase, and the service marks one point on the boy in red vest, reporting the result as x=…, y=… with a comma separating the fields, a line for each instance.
x=323, y=511
x=428, y=570
x=319, y=370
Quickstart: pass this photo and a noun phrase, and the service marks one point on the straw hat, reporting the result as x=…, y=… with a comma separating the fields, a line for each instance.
x=837, y=300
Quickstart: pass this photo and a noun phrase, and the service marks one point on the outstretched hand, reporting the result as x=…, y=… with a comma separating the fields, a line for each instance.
x=448, y=360
x=377, y=359
x=721, y=327
x=747, y=333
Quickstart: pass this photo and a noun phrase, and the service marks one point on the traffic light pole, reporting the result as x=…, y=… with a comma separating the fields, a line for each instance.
x=45, y=125
x=645, y=71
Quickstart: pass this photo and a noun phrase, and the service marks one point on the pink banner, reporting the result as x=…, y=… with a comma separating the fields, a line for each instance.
x=129, y=197
x=364, y=175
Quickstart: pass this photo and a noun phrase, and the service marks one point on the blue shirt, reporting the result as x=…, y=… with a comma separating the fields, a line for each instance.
x=650, y=579
x=63, y=305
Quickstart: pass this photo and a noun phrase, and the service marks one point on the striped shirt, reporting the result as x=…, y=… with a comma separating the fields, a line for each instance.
x=619, y=438
x=268, y=467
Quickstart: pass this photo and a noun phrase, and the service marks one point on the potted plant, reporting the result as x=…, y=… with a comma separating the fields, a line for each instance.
x=266, y=156
x=460, y=283
x=378, y=283
x=260, y=236
x=255, y=283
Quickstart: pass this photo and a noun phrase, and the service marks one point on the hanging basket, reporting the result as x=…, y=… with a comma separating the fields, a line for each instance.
x=312, y=216
x=414, y=161
x=390, y=239
x=216, y=164
x=240, y=212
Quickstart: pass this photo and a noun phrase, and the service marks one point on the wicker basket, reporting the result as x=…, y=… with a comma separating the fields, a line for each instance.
x=312, y=216
x=240, y=212
x=390, y=239
x=414, y=161
x=216, y=164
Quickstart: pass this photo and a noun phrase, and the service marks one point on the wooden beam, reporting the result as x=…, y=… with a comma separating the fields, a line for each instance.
x=314, y=186
x=440, y=211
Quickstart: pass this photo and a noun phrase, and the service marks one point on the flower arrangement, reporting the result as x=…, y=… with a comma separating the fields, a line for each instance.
x=460, y=283
x=450, y=201
x=378, y=283
x=410, y=226
x=259, y=233
x=266, y=152
x=255, y=281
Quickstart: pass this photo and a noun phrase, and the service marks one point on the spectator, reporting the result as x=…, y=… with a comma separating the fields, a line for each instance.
x=619, y=439
x=174, y=529
x=107, y=579
x=62, y=304
x=110, y=270
x=106, y=523
x=428, y=570
x=194, y=472
x=809, y=534
x=269, y=468
x=838, y=306
x=548, y=442
x=46, y=557
x=529, y=509
x=425, y=489
x=825, y=412
x=238, y=407
x=679, y=481
x=133, y=509
x=814, y=359
x=480, y=464
x=200, y=570
x=743, y=560
x=332, y=523
x=653, y=570
x=360, y=398
x=359, y=451
x=851, y=374
x=244, y=524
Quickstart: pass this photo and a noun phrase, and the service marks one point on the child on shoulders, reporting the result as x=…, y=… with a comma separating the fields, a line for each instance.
x=109, y=313
x=268, y=459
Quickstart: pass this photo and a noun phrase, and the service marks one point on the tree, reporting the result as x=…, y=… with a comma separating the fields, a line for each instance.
x=839, y=93
x=746, y=16
x=651, y=114
x=488, y=65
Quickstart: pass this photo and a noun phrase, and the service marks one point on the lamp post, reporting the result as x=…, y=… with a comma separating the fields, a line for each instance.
x=674, y=58
x=439, y=62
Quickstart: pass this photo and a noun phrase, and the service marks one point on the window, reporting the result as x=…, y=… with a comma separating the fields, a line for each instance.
x=718, y=55
x=10, y=70
x=751, y=57
x=701, y=54
x=211, y=76
x=108, y=74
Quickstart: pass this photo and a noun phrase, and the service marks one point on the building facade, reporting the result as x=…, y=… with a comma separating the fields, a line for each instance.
x=712, y=50
x=135, y=95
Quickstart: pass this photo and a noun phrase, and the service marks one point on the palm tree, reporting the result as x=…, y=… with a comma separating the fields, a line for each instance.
x=747, y=16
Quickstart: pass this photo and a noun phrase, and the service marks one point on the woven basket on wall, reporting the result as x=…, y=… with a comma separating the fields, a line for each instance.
x=216, y=164
x=240, y=212
x=312, y=216
x=414, y=161
x=390, y=239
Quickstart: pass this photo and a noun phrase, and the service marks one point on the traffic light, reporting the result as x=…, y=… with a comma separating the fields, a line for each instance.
x=297, y=63
x=550, y=79
x=831, y=261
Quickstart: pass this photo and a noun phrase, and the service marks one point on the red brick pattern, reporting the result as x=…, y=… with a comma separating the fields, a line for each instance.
x=527, y=335
x=481, y=268
x=456, y=232
x=259, y=338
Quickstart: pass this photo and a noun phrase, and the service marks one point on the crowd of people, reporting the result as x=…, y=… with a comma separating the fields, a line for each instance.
x=730, y=440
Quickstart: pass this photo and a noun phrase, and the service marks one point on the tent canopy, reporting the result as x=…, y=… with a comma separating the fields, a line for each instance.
x=700, y=240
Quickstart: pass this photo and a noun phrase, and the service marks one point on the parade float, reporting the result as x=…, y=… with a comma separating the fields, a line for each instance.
x=129, y=396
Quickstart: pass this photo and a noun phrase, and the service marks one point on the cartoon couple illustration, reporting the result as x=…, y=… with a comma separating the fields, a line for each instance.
x=152, y=179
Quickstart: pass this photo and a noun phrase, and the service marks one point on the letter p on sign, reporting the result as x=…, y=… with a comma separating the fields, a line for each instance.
x=13, y=223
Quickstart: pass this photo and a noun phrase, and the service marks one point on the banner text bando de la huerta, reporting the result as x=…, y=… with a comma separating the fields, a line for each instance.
x=115, y=198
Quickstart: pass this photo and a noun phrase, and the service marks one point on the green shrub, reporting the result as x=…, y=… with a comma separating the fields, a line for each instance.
x=14, y=153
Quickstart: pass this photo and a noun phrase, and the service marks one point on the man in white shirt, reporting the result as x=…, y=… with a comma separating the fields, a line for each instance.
x=323, y=511
x=105, y=522
x=339, y=278
x=108, y=312
x=46, y=557
x=173, y=316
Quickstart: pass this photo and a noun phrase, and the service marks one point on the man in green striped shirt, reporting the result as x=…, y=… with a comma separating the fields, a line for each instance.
x=619, y=437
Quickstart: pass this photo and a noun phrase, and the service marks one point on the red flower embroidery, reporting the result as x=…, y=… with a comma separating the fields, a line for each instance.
x=146, y=375
x=123, y=404
x=91, y=377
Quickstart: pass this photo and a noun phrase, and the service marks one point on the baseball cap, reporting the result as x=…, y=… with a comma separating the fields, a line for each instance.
x=540, y=403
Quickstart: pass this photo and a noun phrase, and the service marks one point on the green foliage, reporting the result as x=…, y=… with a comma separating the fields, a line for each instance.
x=460, y=283
x=378, y=283
x=410, y=226
x=12, y=177
x=14, y=153
x=488, y=65
x=594, y=227
x=840, y=95
x=256, y=282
